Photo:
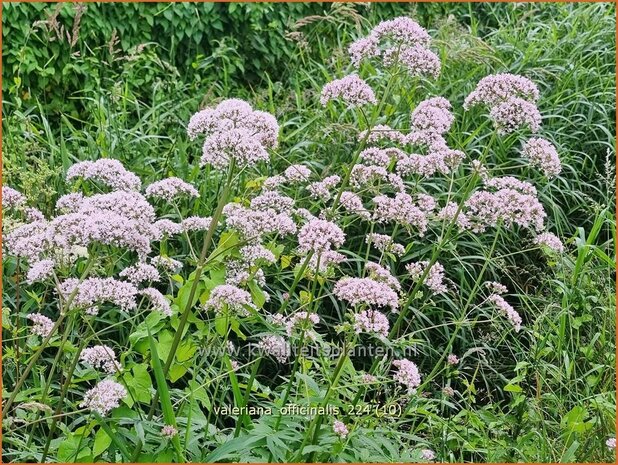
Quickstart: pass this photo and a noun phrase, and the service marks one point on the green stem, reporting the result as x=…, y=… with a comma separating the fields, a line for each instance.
x=208, y=235
x=43, y=346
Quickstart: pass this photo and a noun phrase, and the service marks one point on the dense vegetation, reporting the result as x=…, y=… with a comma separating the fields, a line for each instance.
x=83, y=83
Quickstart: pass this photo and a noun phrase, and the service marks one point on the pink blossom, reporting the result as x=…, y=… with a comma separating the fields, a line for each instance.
x=353, y=204
x=106, y=171
x=366, y=291
x=340, y=429
x=371, y=321
x=434, y=279
x=42, y=326
x=104, y=397
x=92, y=291
x=508, y=311
x=297, y=173
x=100, y=356
x=400, y=209
x=230, y=297
x=169, y=431
x=319, y=236
x=141, y=272
x=514, y=113
x=432, y=115
x=543, y=155
x=169, y=188
x=321, y=189
x=276, y=346
x=158, y=301
x=196, y=223
x=385, y=243
x=40, y=271
x=496, y=88
x=351, y=89
x=238, y=144
x=452, y=359
x=550, y=241
x=407, y=373
x=12, y=198
x=418, y=60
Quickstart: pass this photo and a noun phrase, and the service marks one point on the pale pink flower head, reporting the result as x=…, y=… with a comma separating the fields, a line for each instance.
x=543, y=155
x=169, y=431
x=507, y=310
x=231, y=297
x=321, y=189
x=141, y=272
x=170, y=188
x=353, y=204
x=158, y=302
x=372, y=322
x=340, y=429
x=407, y=374
x=550, y=242
x=514, y=113
x=297, y=173
x=320, y=236
x=400, y=209
x=101, y=357
x=42, y=325
x=351, y=90
x=452, y=359
x=106, y=171
x=40, y=271
x=432, y=115
x=276, y=346
x=366, y=291
x=403, y=31
x=419, y=61
x=428, y=454
x=238, y=144
x=385, y=244
x=434, y=278
x=611, y=443
x=92, y=291
x=234, y=114
x=497, y=88
x=495, y=287
x=12, y=198
x=104, y=397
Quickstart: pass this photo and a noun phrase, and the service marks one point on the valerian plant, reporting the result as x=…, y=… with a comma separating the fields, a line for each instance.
x=281, y=323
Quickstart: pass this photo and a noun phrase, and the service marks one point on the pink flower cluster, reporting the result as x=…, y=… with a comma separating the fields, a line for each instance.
x=319, y=236
x=340, y=429
x=366, y=291
x=400, y=209
x=276, y=346
x=505, y=308
x=253, y=224
x=169, y=431
x=407, y=374
x=158, y=301
x=321, y=189
x=486, y=209
x=434, y=279
x=92, y=291
x=42, y=325
x=400, y=40
x=550, y=241
x=385, y=244
x=432, y=115
x=141, y=272
x=106, y=171
x=543, y=155
x=234, y=131
x=12, y=198
x=351, y=89
x=371, y=321
x=40, y=271
x=230, y=297
x=170, y=188
x=102, y=357
x=511, y=100
x=104, y=397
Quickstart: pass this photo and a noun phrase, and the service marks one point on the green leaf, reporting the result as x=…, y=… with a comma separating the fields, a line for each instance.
x=101, y=442
x=513, y=388
x=164, y=395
